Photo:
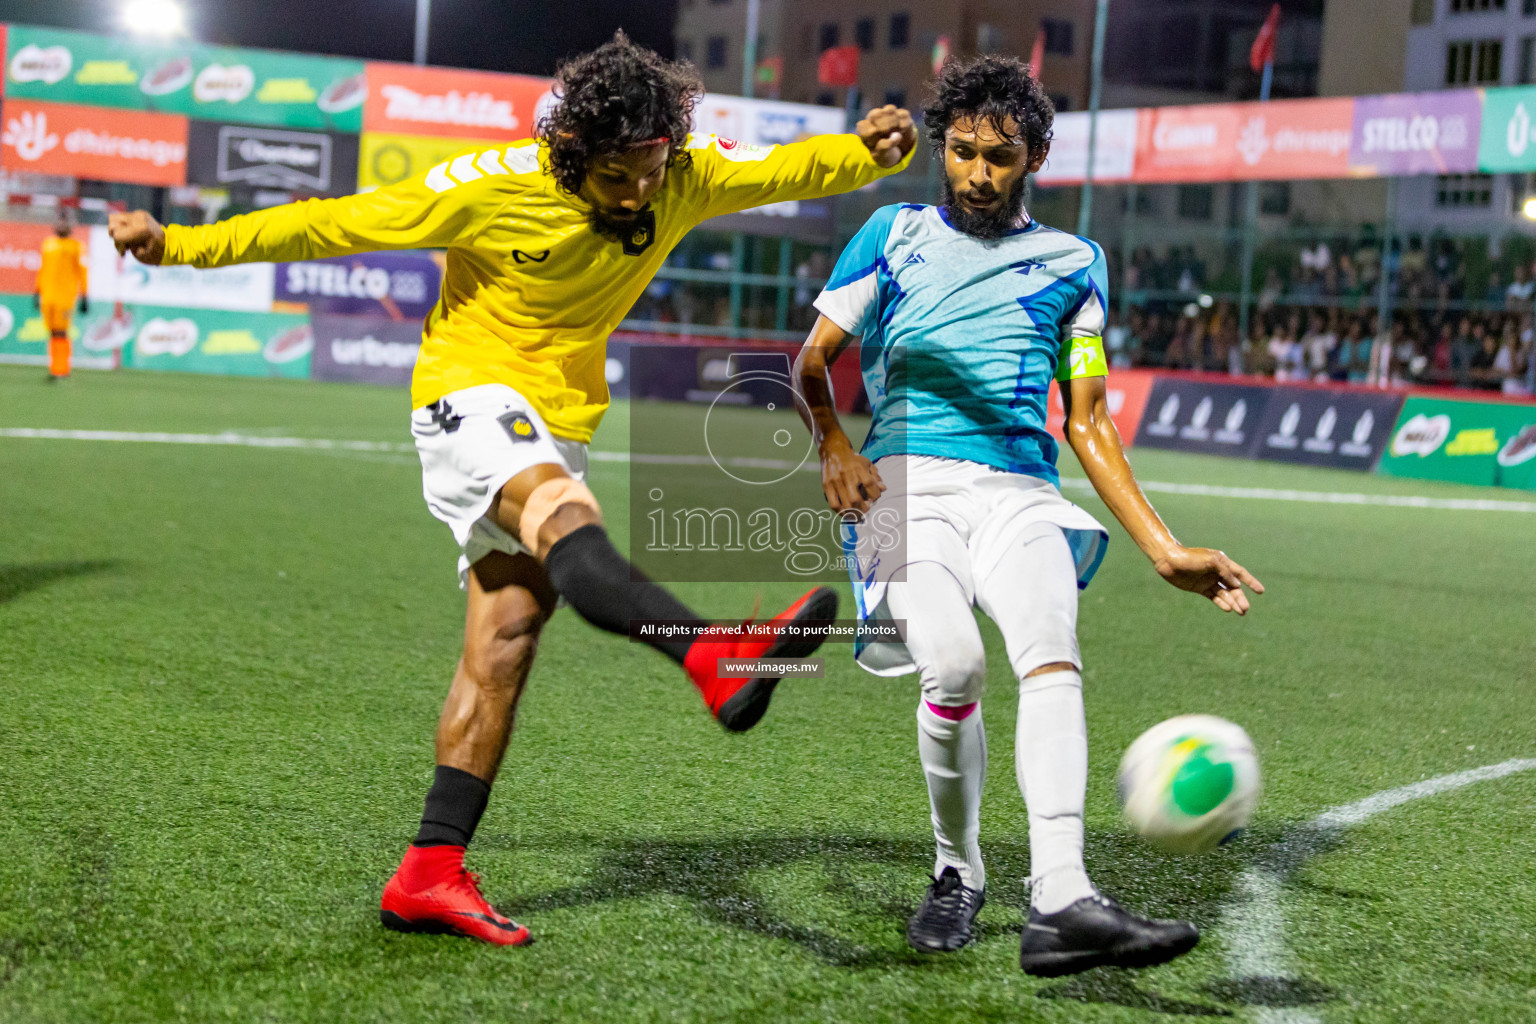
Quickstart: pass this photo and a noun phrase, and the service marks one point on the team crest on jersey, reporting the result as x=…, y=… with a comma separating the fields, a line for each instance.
x=641, y=235
x=518, y=426
x=519, y=257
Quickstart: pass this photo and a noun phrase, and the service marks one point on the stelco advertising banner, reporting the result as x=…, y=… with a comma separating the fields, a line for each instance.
x=89, y=142
x=1416, y=133
x=318, y=163
x=1197, y=415
x=392, y=285
x=113, y=278
x=407, y=100
x=366, y=349
x=1344, y=429
x=268, y=87
x=1486, y=443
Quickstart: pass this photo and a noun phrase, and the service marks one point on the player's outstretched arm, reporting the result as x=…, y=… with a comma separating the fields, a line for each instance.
x=1092, y=435
x=849, y=480
x=412, y=214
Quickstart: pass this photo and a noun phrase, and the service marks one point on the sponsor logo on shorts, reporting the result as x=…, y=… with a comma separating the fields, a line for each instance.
x=518, y=426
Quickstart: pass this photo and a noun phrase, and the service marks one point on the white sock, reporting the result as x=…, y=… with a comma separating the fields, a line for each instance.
x=954, y=755
x=1052, y=764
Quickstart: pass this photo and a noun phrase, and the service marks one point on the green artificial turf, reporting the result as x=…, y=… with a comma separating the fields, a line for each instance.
x=221, y=667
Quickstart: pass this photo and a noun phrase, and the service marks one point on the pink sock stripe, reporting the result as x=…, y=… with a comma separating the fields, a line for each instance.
x=954, y=714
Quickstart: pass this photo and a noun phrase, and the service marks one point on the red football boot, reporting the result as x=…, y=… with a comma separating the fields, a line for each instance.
x=738, y=703
x=448, y=904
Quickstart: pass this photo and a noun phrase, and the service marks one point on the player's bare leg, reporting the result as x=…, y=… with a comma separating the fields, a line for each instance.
x=509, y=600
x=559, y=520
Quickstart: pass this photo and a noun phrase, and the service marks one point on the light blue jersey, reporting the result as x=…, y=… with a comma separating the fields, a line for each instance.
x=963, y=337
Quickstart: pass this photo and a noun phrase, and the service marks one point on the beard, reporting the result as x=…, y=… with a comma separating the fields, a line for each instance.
x=614, y=229
x=993, y=224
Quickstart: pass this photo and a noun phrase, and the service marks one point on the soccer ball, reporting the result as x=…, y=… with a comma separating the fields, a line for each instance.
x=1189, y=784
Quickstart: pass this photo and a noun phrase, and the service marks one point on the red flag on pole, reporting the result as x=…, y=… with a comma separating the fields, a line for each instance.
x=838, y=66
x=1037, y=55
x=1264, y=46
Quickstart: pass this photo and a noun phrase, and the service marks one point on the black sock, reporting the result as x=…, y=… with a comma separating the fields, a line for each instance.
x=455, y=803
x=608, y=592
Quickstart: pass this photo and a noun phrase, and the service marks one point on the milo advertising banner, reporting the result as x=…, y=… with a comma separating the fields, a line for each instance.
x=165, y=338
x=267, y=87
x=1487, y=443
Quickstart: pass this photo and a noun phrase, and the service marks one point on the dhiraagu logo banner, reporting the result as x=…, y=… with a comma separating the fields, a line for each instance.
x=1507, y=142
x=267, y=87
x=1487, y=443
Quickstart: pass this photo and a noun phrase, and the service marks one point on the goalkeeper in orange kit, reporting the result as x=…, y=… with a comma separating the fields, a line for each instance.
x=61, y=281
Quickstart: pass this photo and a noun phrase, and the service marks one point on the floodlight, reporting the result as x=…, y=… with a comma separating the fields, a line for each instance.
x=1529, y=209
x=154, y=17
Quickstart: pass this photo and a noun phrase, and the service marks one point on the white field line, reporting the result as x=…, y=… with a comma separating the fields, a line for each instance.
x=231, y=438
x=1252, y=921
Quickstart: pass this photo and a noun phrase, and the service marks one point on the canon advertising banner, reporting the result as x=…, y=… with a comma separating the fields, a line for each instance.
x=1325, y=427
x=1195, y=415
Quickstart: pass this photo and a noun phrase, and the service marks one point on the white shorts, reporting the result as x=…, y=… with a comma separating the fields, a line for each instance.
x=471, y=443
x=963, y=515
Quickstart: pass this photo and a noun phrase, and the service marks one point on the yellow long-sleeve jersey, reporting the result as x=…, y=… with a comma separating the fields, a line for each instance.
x=531, y=292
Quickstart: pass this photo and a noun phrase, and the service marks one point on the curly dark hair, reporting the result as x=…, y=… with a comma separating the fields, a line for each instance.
x=618, y=96
x=991, y=87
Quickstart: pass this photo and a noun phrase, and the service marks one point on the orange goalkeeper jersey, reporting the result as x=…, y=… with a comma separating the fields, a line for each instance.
x=61, y=277
x=531, y=292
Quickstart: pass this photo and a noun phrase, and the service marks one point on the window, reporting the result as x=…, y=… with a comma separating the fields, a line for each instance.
x=1423, y=12
x=901, y=29
x=685, y=49
x=828, y=36
x=864, y=33
x=1527, y=71
x=714, y=55
x=895, y=97
x=1468, y=191
x=1528, y=8
x=1058, y=36
x=1474, y=62
x=1472, y=6
x=1274, y=198
x=1196, y=201
x=826, y=99
x=1061, y=103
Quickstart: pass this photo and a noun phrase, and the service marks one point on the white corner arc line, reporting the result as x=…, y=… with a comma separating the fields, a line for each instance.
x=1076, y=483
x=1253, y=922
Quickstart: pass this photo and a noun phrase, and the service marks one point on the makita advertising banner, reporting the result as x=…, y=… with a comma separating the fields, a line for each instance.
x=1345, y=429
x=393, y=285
x=271, y=87
x=1196, y=415
x=365, y=349
x=407, y=100
x=318, y=163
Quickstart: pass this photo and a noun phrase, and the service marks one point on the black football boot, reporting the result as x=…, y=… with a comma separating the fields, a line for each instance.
x=1096, y=932
x=943, y=923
